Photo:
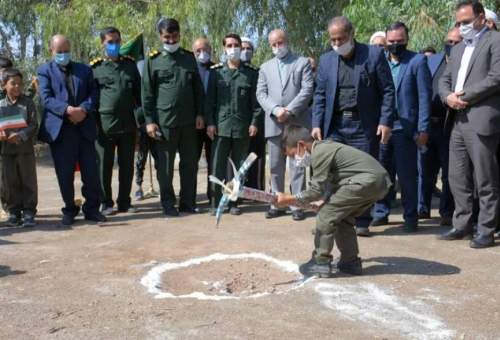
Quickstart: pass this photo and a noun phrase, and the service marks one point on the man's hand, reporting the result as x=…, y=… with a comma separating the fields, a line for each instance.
x=252, y=130
x=422, y=139
x=385, y=133
x=151, y=130
x=76, y=114
x=14, y=138
x=211, y=131
x=284, y=200
x=3, y=136
x=453, y=100
x=200, y=123
x=316, y=205
x=316, y=133
x=282, y=115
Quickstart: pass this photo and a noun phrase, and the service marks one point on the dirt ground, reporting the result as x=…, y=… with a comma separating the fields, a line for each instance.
x=120, y=280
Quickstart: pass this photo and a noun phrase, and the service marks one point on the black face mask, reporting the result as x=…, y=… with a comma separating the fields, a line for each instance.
x=396, y=49
x=447, y=49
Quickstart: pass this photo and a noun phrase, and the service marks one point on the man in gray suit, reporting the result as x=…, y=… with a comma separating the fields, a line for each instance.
x=284, y=91
x=470, y=86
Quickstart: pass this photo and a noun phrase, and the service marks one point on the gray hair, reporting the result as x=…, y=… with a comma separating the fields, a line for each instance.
x=342, y=22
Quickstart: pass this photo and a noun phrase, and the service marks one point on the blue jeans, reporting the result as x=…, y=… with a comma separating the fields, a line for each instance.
x=350, y=132
x=438, y=150
x=399, y=157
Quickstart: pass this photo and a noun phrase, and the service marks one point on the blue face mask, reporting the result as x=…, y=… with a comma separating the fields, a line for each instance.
x=113, y=50
x=62, y=58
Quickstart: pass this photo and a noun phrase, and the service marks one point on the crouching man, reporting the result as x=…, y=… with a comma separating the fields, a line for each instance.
x=345, y=183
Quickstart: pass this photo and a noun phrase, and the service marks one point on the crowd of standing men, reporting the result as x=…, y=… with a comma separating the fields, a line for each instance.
x=416, y=113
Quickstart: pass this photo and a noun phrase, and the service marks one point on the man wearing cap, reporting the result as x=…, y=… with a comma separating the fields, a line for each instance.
x=491, y=19
x=172, y=94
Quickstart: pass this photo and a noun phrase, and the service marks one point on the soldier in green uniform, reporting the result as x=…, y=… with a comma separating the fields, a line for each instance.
x=119, y=85
x=344, y=184
x=172, y=95
x=232, y=112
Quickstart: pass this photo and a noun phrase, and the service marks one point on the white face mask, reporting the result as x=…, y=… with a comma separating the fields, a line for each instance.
x=303, y=161
x=467, y=31
x=344, y=49
x=233, y=53
x=204, y=57
x=246, y=55
x=281, y=51
x=171, y=48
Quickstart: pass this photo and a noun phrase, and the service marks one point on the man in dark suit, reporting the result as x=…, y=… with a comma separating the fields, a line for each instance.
x=413, y=82
x=470, y=86
x=68, y=94
x=354, y=96
x=436, y=156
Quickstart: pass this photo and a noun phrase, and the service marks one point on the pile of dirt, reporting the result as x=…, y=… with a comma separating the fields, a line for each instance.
x=229, y=278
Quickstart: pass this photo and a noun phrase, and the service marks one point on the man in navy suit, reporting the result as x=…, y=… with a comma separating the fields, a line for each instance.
x=68, y=95
x=437, y=153
x=413, y=82
x=354, y=97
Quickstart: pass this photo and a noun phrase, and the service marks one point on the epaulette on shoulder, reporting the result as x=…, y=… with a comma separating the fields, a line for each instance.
x=96, y=61
x=250, y=66
x=219, y=65
x=127, y=57
x=154, y=53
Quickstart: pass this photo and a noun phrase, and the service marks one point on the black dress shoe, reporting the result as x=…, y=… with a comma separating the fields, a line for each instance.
x=482, y=241
x=171, y=211
x=424, y=215
x=97, y=217
x=455, y=234
x=67, y=220
x=273, y=213
x=312, y=268
x=298, y=215
x=353, y=267
x=188, y=210
x=377, y=222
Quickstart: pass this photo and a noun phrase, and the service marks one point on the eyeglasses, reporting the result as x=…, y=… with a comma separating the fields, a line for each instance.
x=468, y=22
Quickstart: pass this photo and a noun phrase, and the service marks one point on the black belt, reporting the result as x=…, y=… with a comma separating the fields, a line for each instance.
x=349, y=114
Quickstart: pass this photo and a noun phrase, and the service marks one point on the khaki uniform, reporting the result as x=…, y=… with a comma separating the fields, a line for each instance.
x=355, y=180
x=172, y=95
x=119, y=85
x=231, y=106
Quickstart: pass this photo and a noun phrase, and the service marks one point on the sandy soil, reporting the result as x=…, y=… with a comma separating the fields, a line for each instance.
x=85, y=282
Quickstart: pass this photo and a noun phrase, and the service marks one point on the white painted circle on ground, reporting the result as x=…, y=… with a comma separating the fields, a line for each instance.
x=153, y=278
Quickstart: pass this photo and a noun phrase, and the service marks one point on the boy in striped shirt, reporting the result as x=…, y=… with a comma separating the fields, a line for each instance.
x=18, y=127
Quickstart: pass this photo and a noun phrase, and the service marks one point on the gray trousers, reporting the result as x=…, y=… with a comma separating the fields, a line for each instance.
x=473, y=162
x=277, y=165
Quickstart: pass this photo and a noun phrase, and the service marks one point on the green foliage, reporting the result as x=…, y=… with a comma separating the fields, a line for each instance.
x=27, y=25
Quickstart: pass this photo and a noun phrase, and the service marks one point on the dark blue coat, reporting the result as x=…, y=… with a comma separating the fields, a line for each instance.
x=375, y=90
x=414, y=93
x=54, y=98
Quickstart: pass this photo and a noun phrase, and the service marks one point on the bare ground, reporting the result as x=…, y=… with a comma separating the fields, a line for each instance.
x=85, y=282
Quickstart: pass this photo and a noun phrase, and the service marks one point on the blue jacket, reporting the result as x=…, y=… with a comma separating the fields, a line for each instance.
x=54, y=98
x=375, y=90
x=414, y=93
x=434, y=61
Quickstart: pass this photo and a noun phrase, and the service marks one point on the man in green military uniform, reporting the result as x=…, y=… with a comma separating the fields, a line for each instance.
x=119, y=85
x=172, y=95
x=232, y=112
x=344, y=184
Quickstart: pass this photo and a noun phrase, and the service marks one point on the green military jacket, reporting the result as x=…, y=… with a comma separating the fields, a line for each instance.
x=335, y=165
x=119, y=84
x=231, y=104
x=24, y=108
x=172, y=92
